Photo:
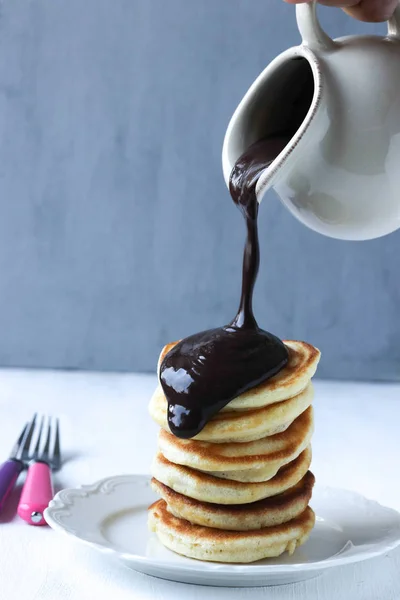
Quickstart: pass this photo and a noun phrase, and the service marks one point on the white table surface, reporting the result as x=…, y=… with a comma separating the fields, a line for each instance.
x=106, y=430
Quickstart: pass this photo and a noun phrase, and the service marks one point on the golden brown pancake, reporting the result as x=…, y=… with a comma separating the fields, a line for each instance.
x=217, y=545
x=289, y=382
x=245, y=426
x=240, y=517
x=236, y=461
x=207, y=488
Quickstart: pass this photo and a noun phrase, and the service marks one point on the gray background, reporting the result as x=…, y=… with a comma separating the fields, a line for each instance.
x=116, y=232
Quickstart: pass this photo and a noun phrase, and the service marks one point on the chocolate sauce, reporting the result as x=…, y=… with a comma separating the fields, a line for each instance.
x=205, y=371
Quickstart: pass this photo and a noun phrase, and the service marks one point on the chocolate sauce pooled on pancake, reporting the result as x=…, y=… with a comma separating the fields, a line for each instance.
x=205, y=371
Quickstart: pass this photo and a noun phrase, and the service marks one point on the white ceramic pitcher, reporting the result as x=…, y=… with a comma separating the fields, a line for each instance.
x=340, y=173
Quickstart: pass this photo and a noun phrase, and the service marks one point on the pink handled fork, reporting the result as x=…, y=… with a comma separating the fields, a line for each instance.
x=38, y=488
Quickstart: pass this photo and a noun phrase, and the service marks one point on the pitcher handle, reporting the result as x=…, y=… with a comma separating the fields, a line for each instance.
x=316, y=38
x=310, y=28
x=394, y=24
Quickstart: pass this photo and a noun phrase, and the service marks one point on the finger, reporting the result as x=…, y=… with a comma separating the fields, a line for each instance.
x=373, y=10
x=337, y=3
x=363, y=10
x=340, y=3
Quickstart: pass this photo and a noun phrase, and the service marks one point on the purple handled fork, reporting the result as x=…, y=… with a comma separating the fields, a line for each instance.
x=10, y=470
x=38, y=487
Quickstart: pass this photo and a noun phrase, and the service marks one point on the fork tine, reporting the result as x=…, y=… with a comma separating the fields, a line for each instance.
x=39, y=439
x=28, y=438
x=46, y=450
x=57, y=451
x=17, y=446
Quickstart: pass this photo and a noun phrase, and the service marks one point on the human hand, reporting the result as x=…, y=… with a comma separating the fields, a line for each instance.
x=364, y=10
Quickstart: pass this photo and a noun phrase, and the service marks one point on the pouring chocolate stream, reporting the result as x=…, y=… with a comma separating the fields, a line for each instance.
x=207, y=370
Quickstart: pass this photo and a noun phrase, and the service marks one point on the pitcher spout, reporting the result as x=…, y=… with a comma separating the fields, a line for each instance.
x=285, y=101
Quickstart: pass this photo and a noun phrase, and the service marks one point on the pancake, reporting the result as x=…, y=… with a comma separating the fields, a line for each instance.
x=244, y=426
x=240, y=517
x=208, y=488
x=289, y=382
x=262, y=458
x=206, y=543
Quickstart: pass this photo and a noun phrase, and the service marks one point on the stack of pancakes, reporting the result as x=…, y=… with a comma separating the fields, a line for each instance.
x=239, y=490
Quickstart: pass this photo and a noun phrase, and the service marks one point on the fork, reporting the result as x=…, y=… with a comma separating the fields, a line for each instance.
x=38, y=488
x=11, y=468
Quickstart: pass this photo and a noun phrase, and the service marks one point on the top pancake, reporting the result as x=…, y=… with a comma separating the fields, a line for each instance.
x=289, y=382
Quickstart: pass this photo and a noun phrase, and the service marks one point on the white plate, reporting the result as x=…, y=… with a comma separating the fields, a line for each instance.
x=111, y=516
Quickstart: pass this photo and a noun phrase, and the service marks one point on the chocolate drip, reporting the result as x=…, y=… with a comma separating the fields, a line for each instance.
x=205, y=371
